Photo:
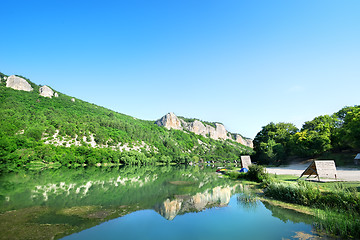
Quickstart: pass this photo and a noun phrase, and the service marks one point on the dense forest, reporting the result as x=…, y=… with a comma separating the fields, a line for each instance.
x=71, y=131
x=276, y=143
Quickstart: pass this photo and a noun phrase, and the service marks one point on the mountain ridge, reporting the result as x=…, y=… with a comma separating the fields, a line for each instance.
x=60, y=129
x=213, y=130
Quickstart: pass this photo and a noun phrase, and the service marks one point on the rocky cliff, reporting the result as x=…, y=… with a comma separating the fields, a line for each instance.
x=244, y=141
x=171, y=121
x=18, y=83
x=45, y=91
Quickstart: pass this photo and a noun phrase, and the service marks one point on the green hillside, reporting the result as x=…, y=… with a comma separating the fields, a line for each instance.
x=39, y=129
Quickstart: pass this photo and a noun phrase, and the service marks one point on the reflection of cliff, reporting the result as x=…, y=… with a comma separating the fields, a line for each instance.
x=219, y=197
x=82, y=189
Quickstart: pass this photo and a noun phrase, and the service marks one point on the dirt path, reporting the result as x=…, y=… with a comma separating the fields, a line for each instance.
x=344, y=174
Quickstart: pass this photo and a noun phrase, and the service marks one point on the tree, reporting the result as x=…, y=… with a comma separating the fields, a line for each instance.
x=271, y=144
x=315, y=136
x=349, y=132
x=34, y=132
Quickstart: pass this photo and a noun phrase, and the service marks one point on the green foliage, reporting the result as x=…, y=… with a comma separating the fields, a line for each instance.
x=276, y=142
x=300, y=193
x=257, y=173
x=34, y=132
x=271, y=144
x=349, y=133
x=343, y=224
x=338, y=209
x=27, y=121
x=305, y=193
x=2, y=79
x=314, y=137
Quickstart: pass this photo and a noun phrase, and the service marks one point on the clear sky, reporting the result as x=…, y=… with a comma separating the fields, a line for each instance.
x=242, y=63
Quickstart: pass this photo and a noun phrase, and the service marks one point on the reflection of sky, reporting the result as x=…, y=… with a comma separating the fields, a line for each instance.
x=231, y=222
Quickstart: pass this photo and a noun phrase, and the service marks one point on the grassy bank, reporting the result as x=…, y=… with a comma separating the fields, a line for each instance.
x=335, y=206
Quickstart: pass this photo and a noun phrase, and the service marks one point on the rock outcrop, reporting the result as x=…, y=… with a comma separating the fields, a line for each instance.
x=171, y=121
x=56, y=95
x=18, y=83
x=244, y=141
x=220, y=132
x=196, y=127
x=45, y=91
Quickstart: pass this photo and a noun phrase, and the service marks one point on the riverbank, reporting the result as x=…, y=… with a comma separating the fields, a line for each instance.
x=335, y=205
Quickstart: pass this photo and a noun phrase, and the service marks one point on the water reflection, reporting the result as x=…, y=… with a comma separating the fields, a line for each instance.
x=247, y=200
x=57, y=203
x=289, y=215
x=216, y=197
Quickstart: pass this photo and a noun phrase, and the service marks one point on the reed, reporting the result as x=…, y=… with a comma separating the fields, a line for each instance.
x=340, y=223
x=337, y=210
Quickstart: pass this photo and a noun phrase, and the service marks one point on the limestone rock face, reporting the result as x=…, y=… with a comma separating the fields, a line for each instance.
x=170, y=121
x=246, y=142
x=220, y=132
x=45, y=91
x=56, y=95
x=18, y=83
x=197, y=127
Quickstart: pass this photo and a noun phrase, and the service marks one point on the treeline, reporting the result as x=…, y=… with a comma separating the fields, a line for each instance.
x=276, y=142
x=27, y=120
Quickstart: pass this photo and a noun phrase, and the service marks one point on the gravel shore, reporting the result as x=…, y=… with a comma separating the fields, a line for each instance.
x=343, y=174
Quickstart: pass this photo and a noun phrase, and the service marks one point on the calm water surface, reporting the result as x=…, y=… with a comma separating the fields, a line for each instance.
x=139, y=203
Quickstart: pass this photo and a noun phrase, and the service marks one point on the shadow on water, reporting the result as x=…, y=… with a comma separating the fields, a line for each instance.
x=286, y=215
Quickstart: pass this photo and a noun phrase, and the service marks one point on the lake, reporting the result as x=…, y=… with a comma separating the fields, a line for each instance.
x=179, y=202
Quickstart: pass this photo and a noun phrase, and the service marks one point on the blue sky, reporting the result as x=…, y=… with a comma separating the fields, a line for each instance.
x=242, y=63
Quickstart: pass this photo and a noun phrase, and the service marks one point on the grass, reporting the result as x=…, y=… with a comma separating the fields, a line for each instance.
x=335, y=205
x=344, y=223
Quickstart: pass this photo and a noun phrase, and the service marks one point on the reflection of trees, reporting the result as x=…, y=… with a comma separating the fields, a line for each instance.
x=144, y=186
x=247, y=199
x=285, y=214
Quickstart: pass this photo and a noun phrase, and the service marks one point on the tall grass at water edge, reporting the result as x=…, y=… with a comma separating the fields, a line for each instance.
x=305, y=193
x=340, y=223
x=337, y=210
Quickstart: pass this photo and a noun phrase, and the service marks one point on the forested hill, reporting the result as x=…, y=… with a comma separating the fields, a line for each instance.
x=59, y=128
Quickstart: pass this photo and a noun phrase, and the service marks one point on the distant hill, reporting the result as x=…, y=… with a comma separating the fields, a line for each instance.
x=39, y=124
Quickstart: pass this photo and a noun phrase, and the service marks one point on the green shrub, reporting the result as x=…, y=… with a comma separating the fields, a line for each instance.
x=341, y=197
x=300, y=193
x=34, y=132
x=257, y=173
